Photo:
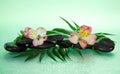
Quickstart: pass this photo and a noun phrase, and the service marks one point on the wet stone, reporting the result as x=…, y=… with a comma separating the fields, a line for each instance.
x=64, y=43
x=105, y=45
x=10, y=46
x=24, y=42
x=45, y=45
x=55, y=38
x=78, y=46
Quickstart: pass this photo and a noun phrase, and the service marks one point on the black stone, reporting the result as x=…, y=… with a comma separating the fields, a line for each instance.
x=44, y=45
x=105, y=45
x=10, y=46
x=55, y=38
x=24, y=42
x=64, y=43
x=78, y=46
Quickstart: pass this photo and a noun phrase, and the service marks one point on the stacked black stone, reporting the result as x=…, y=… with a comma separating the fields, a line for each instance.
x=105, y=45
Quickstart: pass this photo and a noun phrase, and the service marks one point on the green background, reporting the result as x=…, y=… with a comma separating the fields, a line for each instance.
x=102, y=15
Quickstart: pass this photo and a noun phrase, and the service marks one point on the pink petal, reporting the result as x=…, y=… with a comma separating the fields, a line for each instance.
x=27, y=29
x=38, y=42
x=83, y=43
x=86, y=28
x=41, y=31
x=26, y=34
x=91, y=39
x=74, y=38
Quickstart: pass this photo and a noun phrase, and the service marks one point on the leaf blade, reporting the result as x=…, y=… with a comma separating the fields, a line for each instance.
x=62, y=30
x=56, y=53
x=42, y=54
x=77, y=26
x=73, y=28
x=50, y=55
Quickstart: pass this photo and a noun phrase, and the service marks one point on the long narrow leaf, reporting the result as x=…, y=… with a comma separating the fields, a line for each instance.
x=51, y=32
x=33, y=55
x=62, y=31
x=56, y=53
x=66, y=49
x=78, y=50
x=62, y=53
x=103, y=33
x=49, y=53
x=56, y=32
x=77, y=26
x=42, y=54
x=73, y=28
x=27, y=53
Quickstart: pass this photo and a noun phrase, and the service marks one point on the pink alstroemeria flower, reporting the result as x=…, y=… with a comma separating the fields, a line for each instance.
x=38, y=36
x=83, y=37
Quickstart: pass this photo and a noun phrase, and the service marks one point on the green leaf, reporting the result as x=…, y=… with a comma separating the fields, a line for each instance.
x=18, y=38
x=62, y=31
x=73, y=28
x=49, y=53
x=99, y=38
x=42, y=54
x=33, y=55
x=56, y=32
x=22, y=32
x=103, y=34
x=95, y=50
x=56, y=53
x=24, y=53
x=51, y=32
x=66, y=49
x=62, y=53
x=78, y=50
x=77, y=26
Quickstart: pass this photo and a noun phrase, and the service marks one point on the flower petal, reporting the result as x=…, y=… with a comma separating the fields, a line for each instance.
x=86, y=28
x=91, y=39
x=41, y=31
x=27, y=29
x=83, y=43
x=32, y=34
x=74, y=38
x=37, y=42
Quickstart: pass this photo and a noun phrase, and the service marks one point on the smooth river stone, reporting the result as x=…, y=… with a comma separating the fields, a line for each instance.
x=55, y=38
x=45, y=45
x=10, y=46
x=105, y=45
x=78, y=46
x=24, y=42
x=64, y=43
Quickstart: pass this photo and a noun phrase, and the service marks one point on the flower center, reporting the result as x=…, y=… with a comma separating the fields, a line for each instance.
x=38, y=37
x=83, y=33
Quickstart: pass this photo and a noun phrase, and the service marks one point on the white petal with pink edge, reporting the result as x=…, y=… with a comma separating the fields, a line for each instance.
x=83, y=43
x=41, y=31
x=91, y=39
x=74, y=38
x=38, y=42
